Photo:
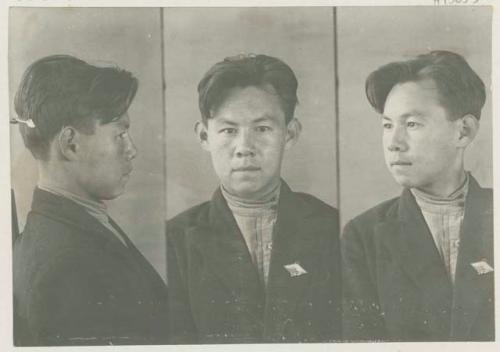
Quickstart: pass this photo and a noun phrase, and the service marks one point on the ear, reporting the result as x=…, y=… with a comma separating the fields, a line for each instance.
x=468, y=127
x=294, y=128
x=68, y=142
x=202, y=133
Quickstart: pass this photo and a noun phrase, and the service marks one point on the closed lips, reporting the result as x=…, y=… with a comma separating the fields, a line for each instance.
x=247, y=168
x=400, y=163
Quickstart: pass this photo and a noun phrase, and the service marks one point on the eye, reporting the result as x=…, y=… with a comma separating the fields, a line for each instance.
x=412, y=124
x=228, y=130
x=262, y=128
x=387, y=125
x=123, y=134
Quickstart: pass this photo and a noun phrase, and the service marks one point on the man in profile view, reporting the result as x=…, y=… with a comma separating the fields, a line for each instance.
x=258, y=262
x=77, y=277
x=419, y=267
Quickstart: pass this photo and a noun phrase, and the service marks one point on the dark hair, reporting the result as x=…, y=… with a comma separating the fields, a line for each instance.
x=247, y=70
x=460, y=88
x=61, y=90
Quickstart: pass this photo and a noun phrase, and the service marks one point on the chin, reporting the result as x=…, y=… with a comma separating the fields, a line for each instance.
x=112, y=195
x=246, y=191
x=405, y=181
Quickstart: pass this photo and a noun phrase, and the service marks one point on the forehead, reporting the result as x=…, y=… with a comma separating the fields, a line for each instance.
x=246, y=104
x=417, y=96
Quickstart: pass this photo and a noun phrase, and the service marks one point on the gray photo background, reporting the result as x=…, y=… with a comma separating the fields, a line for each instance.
x=129, y=38
x=369, y=37
x=197, y=38
x=171, y=171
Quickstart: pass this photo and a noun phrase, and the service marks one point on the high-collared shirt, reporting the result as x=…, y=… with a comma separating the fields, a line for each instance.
x=444, y=217
x=96, y=209
x=256, y=220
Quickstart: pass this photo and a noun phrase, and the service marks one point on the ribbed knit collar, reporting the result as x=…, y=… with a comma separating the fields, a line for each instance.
x=452, y=203
x=245, y=207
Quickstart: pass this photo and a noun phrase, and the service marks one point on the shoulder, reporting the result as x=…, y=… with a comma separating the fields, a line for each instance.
x=45, y=236
x=484, y=195
x=47, y=240
x=188, y=218
x=385, y=211
x=314, y=206
x=52, y=254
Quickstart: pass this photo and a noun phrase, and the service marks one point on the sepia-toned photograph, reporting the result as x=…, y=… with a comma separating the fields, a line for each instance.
x=252, y=232
x=251, y=175
x=87, y=171
x=416, y=173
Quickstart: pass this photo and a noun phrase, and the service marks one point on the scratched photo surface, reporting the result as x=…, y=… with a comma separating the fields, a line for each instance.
x=249, y=260
x=253, y=267
x=396, y=287
x=101, y=293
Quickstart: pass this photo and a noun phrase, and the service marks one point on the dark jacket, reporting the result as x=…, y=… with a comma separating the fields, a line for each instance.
x=76, y=283
x=215, y=292
x=396, y=287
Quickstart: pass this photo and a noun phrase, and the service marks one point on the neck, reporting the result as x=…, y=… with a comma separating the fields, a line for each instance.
x=446, y=187
x=269, y=197
x=54, y=175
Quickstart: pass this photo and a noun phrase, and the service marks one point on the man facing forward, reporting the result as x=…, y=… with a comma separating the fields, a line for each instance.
x=420, y=267
x=258, y=262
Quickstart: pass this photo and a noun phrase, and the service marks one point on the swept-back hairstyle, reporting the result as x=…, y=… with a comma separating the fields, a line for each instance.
x=461, y=91
x=61, y=90
x=247, y=70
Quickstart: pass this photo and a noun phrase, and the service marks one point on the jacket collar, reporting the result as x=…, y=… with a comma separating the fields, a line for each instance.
x=406, y=235
x=66, y=211
x=220, y=241
x=407, y=238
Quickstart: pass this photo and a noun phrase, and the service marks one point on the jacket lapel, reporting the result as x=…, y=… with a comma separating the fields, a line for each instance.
x=145, y=265
x=291, y=244
x=476, y=244
x=223, y=247
x=409, y=240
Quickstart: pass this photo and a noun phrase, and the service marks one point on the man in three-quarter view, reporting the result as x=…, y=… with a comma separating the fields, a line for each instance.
x=77, y=277
x=258, y=262
x=419, y=267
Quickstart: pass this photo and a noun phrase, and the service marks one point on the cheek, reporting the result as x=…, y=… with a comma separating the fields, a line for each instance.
x=386, y=139
x=220, y=145
x=436, y=152
x=435, y=144
x=221, y=159
x=107, y=155
x=274, y=144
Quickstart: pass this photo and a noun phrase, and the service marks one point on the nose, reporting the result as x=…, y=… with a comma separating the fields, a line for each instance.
x=244, y=144
x=131, y=150
x=397, y=140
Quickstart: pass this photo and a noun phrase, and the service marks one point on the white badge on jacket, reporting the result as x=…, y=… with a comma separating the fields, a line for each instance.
x=295, y=269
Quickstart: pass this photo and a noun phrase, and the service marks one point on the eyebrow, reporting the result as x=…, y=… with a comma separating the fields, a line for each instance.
x=263, y=118
x=257, y=120
x=227, y=122
x=411, y=113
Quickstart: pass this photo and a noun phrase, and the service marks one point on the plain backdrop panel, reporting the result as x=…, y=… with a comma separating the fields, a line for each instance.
x=370, y=37
x=129, y=38
x=197, y=38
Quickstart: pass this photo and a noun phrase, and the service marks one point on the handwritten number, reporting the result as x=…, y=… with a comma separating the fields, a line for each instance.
x=455, y=2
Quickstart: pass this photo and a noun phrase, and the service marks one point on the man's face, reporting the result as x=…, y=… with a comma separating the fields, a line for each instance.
x=420, y=142
x=105, y=160
x=246, y=137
